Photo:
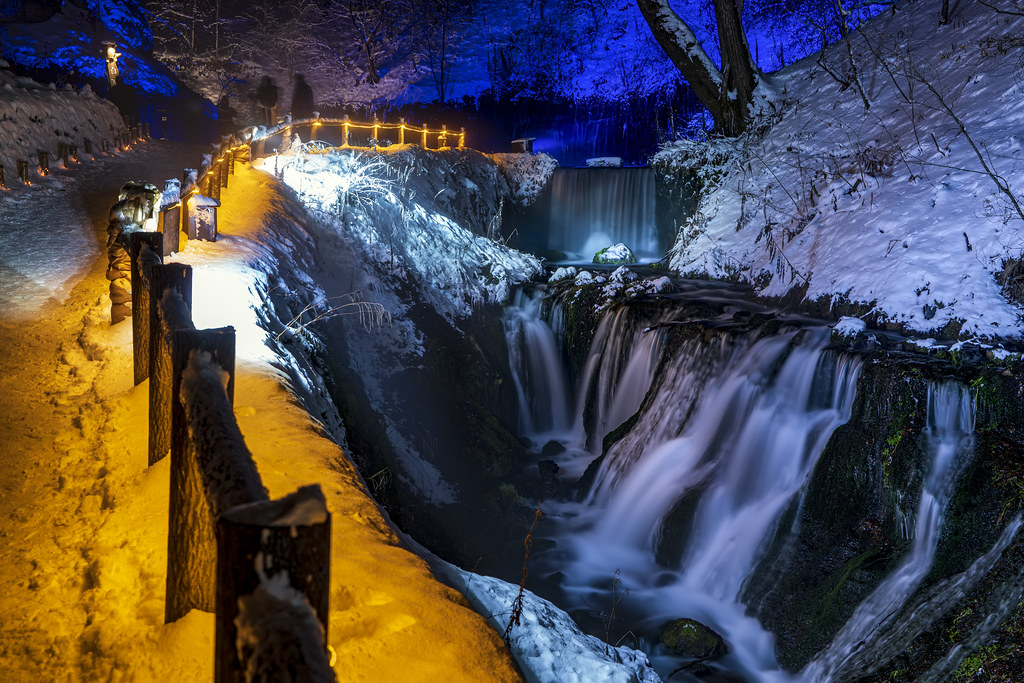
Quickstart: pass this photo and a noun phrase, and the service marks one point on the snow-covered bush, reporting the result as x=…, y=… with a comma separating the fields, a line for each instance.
x=527, y=174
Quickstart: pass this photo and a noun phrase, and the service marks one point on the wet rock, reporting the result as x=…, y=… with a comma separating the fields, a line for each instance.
x=548, y=470
x=690, y=638
x=551, y=449
x=616, y=253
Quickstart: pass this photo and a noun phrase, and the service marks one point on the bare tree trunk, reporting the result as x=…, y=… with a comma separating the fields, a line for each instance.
x=727, y=93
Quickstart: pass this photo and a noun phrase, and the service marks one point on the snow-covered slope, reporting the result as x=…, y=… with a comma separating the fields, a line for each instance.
x=35, y=117
x=884, y=179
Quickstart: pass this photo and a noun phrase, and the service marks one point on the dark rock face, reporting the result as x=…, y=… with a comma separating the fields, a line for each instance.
x=690, y=638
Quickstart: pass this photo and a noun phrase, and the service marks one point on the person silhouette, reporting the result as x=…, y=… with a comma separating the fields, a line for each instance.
x=302, y=99
x=266, y=97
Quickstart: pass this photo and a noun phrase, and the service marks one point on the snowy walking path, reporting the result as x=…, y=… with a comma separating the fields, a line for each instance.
x=83, y=520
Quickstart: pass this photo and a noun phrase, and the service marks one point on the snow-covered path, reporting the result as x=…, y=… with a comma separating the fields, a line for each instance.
x=83, y=519
x=66, y=406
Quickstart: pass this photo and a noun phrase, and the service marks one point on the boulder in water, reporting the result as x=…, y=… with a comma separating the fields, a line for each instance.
x=690, y=638
x=617, y=253
x=552, y=448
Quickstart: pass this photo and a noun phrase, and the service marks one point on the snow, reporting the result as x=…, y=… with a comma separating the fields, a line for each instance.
x=85, y=520
x=889, y=206
x=849, y=327
x=547, y=641
x=605, y=162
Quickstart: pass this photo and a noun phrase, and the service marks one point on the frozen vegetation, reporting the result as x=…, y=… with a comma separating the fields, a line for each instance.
x=888, y=175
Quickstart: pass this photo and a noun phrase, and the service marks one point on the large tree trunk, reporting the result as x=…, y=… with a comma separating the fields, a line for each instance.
x=727, y=93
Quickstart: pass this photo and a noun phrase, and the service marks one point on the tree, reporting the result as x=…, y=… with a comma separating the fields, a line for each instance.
x=727, y=92
x=439, y=33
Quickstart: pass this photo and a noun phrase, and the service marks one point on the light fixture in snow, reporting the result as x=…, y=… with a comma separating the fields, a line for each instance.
x=112, y=54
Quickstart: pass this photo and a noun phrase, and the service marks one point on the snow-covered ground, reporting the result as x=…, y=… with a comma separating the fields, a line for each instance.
x=902, y=203
x=84, y=520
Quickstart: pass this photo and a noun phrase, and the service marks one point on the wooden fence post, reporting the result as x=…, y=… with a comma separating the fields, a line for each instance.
x=177, y=277
x=423, y=137
x=401, y=131
x=44, y=162
x=144, y=249
x=23, y=171
x=169, y=224
x=191, y=541
x=344, y=132
x=287, y=541
x=462, y=137
x=88, y=145
x=376, y=130
x=3, y=180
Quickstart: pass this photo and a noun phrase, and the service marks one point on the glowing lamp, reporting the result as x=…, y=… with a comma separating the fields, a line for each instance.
x=202, y=218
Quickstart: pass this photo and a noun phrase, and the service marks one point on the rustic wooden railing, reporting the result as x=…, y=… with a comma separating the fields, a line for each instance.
x=262, y=566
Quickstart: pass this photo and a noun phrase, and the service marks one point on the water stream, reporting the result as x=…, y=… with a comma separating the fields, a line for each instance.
x=592, y=208
x=681, y=506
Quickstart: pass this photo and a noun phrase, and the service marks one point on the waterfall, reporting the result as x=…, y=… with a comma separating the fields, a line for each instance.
x=537, y=368
x=949, y=433
x=736, y=455
x=592, y=208
x=616, y=376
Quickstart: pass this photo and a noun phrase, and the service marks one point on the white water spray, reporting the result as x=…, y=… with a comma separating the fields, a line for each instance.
x=950, y=429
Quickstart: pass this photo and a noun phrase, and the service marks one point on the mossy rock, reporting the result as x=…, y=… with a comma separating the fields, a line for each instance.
x=615, y=254
x=690, y=638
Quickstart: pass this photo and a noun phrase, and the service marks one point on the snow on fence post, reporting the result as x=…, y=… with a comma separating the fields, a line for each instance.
x=176, y=278
x=144, y=250
x=211, y=468
x=273, y=571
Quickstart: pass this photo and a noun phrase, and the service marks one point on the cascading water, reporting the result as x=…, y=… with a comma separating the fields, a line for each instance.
x=950, y=436
x=683, y=504
x=537, y=368
x=616, y=376
x=746, y=450
x=592, y=208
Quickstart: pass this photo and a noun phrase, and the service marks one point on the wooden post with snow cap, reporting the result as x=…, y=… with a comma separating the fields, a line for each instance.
x=169, y=224
x=273, y=589
x=442, y=139
x=177, y=278
x=211, y=469
x=144, y=251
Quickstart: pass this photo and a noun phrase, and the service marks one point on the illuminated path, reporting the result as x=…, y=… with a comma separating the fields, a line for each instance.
x=57, y=432
x=83, y=520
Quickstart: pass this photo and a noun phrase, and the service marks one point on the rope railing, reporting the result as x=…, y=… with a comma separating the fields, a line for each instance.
x=421, y=134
